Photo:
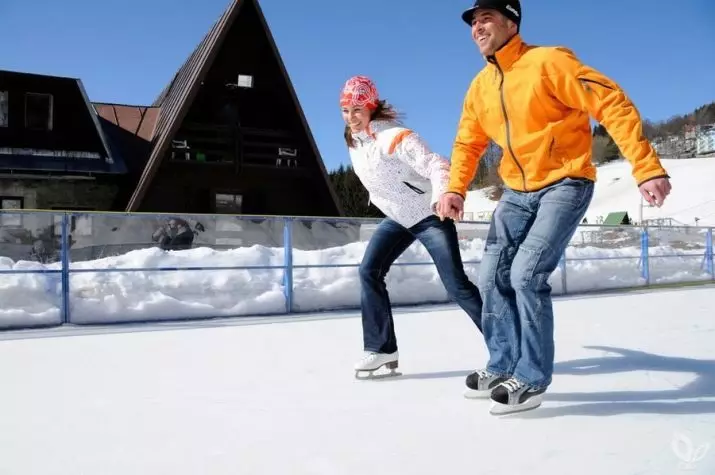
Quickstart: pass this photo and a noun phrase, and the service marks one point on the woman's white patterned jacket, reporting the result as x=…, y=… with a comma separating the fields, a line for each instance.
x=403, y=177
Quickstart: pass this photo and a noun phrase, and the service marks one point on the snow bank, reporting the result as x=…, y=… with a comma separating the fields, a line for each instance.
x=144, y=284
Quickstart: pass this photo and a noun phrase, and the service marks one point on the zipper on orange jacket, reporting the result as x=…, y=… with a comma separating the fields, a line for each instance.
x=506, y=120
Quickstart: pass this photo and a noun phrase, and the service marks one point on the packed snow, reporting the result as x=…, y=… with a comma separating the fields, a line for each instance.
x=633, y=393
x=616, y=191
x=144, y=284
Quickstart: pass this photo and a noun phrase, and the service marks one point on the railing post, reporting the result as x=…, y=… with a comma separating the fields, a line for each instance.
x=562, y=264
x=288, y=263
x=645, y=265
x=65, y=260
x=709, y=252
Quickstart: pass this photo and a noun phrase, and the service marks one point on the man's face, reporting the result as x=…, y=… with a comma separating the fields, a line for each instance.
x=490, y=30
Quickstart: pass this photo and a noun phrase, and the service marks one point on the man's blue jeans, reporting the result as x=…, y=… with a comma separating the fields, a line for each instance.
x=527, y=237
x=389, y=241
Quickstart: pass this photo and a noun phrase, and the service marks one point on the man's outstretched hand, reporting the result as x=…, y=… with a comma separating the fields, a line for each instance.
x=451, y=205
x=655, y=191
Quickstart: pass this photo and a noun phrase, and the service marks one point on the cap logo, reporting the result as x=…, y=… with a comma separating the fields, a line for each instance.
x=513, y=10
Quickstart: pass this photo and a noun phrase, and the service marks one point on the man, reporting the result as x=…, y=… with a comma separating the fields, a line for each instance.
x=535, y=103
x=176, y=235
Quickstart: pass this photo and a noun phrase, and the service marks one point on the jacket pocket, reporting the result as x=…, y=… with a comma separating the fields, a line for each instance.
x=414, y=188
x=557, y=157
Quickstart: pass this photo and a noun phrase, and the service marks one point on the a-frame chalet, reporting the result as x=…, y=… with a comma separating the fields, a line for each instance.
x=229, y=134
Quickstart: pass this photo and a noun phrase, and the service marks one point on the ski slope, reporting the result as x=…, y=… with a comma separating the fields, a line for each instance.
x=634, y=393
x=616, y=190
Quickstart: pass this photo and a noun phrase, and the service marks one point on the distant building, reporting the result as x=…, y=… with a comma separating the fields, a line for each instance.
x=672, y=146
x=690, y=138
x=227, y=135
x=706, y=139
x=695, y=140
x=617, y=218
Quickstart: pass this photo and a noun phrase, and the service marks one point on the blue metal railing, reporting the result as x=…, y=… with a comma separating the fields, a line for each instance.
x=645, y=267
x=697, y=237
x=64, y=252
x=288, y=266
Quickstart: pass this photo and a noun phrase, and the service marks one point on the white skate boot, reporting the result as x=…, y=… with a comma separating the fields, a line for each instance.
x=372, y=361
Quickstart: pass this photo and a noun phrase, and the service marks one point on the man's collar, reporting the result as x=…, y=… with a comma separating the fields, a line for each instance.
x=509, y=52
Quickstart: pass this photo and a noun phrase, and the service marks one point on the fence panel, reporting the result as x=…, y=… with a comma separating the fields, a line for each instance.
x=677, y=254
x=112, y=267
x=327, y=254
x=145, y=267
x=603, y=258
x=31, y=290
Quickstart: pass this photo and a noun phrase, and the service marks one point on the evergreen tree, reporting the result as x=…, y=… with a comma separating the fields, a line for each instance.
x=604, y=148
x=352, y=195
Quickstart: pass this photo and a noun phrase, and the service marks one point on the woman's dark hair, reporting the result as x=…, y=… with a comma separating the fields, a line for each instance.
x=383, y=111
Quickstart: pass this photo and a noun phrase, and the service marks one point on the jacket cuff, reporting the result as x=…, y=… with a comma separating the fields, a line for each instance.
x=653, y=178
x=457, y=192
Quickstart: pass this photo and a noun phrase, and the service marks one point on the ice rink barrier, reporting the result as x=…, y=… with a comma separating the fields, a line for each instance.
x=70, y=267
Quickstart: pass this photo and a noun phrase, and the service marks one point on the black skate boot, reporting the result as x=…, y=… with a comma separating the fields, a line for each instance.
x=514, y=396
x=481, y=383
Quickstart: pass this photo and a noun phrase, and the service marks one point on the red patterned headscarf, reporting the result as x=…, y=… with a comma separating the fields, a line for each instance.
x=359, y=91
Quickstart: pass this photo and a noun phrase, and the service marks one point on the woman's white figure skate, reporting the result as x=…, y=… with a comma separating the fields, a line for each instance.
x=372, y=362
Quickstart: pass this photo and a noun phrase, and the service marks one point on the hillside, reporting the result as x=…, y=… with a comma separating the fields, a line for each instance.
x=691, y=197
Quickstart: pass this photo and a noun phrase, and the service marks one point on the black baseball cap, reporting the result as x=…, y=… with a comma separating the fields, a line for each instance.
x=509, y=8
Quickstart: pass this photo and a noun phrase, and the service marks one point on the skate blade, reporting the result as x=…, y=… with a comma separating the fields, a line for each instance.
x=476, y=394
x=390, y=367
x=498, y=409
x=371, y=375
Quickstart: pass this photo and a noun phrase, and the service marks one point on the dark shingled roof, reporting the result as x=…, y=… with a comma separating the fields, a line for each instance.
x=175, y=99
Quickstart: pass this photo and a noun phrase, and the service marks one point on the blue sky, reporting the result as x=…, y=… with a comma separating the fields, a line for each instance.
x=418, y=52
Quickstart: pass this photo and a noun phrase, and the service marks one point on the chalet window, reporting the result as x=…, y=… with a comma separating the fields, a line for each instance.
x=228, y=203
x=4, y=108
x=10, y=203
x=38, y=111
x=245, y=80
x=180, y=150
x=287, y=157
x=210, y=147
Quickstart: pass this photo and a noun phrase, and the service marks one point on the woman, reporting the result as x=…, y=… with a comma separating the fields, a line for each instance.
x=404, y=180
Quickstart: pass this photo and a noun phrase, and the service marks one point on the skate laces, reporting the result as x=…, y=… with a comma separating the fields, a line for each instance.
x=483, y=374
x=513, y=385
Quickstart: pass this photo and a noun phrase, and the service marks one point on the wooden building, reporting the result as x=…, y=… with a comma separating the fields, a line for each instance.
x=227, y=135
x=53, y=151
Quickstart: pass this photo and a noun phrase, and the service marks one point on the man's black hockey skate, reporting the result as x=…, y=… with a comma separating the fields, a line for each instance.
x=481, y=383
x=514, y=396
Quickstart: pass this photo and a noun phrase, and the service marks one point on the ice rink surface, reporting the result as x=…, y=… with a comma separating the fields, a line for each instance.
x=634, y=393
